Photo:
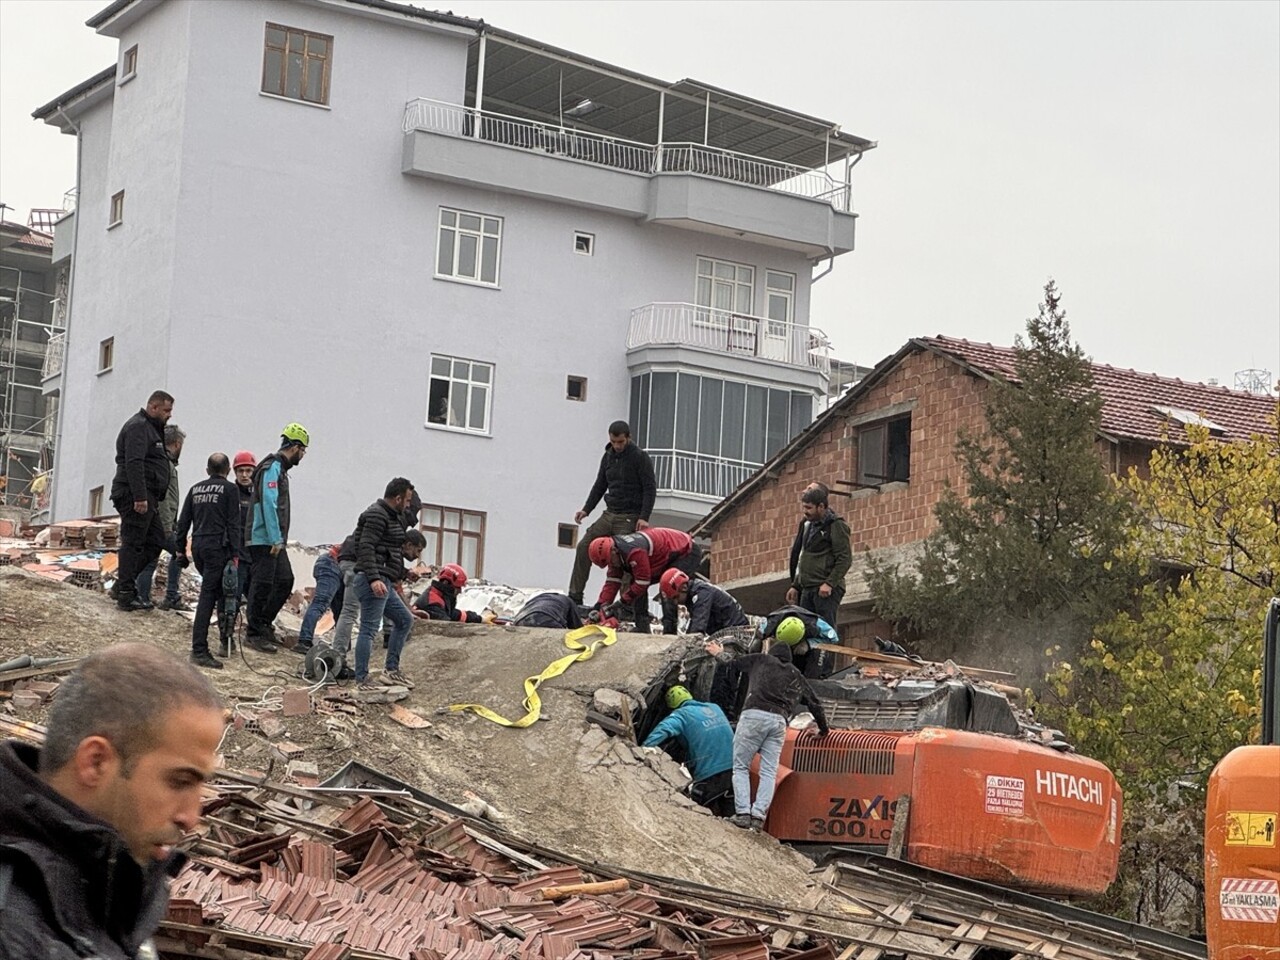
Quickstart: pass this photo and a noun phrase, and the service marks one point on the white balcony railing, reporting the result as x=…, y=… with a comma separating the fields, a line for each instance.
x=686, y=324
x=698, y=475
x=53, y=354
x=454, y=120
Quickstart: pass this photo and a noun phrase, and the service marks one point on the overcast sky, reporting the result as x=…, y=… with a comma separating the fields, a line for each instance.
x=1129, y=150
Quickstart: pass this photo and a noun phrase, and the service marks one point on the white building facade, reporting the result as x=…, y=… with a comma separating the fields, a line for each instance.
x=452, y=253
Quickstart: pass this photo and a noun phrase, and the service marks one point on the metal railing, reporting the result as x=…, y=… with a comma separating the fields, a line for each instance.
x=54, y=352
x=687, y=324
x=697, y=474
x=455, y=120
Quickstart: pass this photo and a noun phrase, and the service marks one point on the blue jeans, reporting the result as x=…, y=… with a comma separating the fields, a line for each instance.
x=758, y=732
x=328, y=586
x=149, y=571
x=372, y=610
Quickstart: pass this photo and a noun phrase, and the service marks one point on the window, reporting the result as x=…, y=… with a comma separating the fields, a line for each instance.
x=884, y=452
x=460, y=394
x=584, y=243
x=780, y=294
x=95, y=502
x=453, y=536
x=576, y=388
x=295, y=64
x=117, y=210
x=129, y=65
x=567, y=535
x=470, y=244
x=724, y=288
x=106, y=354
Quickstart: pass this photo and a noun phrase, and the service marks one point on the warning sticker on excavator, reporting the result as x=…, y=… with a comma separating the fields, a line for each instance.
x=1249, y=828
x=1253, y=901
x=1006, y=795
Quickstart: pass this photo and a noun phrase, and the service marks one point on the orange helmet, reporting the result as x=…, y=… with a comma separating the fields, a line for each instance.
x=599, y=551
x=453, y=575
x=672, y=582
x=244, y=459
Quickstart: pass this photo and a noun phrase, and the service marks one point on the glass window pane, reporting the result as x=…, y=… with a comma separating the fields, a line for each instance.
x=275, y=37
x=469, y=221
x=458, y=405
x=722, y=297
x=431, y=552
x=779, y=308
x=449, y=551
x=709, y=414
x=725, y=271
x=489, y=261
x=704, y=267
x=641, y=424
x=778, y=422
x=471, y=556
x=271, y=82
x=293, y=77
x=801, y=412
x=757, y=402
x=634, y=410
x=438, y=401
x=490, y=226
x=745, y=295
x=318, y=46
x=687, y=412
x=461, y=370
x=479, y=406
x=444, y=259
x=430, y=516
x=440, y=365
x=735, y=402
x=452, y=519
x=467, y=255
x=315, y=80
x=480, y=372
x=448, y=218
x=704, y=292
x=471, y=522
x=662, y=411
x=295, y=42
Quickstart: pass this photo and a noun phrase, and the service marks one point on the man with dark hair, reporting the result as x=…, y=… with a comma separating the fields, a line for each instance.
x=212, y=513
x=140, y=484
x=625, y=481
x=381, y=548
x=266, y=532
x=89, y=824
x=820, y=556
x=174, y=438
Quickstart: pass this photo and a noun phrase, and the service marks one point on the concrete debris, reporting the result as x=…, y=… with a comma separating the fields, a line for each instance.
x=381, y=695
x=615, y=703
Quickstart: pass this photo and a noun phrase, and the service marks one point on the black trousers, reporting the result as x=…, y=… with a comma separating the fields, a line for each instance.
x=689, y=563
x=825, y=607
x=270, y=587
x=210, y=560
x=141, y=540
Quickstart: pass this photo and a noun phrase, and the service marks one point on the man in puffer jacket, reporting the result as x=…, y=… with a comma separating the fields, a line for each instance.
x=380, y=542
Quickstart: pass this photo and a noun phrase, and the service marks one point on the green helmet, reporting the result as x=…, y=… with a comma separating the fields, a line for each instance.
x=790, y=631
x=296, y=433
x=678, y=695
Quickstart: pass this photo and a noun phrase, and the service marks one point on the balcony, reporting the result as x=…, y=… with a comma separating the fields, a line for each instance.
x=687, y=185
x=729, y=334
x=683, y=474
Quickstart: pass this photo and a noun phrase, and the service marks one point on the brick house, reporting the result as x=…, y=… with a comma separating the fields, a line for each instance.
x=888, y=448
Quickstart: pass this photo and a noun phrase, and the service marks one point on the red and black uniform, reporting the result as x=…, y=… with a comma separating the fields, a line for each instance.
x=440, y=601
x=645, y=556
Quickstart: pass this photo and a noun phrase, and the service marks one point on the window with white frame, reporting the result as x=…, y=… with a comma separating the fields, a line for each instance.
x=470, y=247
x=106, y=354
x=460, y=394
x=95, y=501
x=453, y=535
x=724, y=288
x=129, y=64
x=780, y=296
x=117, y=210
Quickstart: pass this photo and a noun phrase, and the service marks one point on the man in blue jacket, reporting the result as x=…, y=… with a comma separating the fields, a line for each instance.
x=266, y=532
x=707, y=738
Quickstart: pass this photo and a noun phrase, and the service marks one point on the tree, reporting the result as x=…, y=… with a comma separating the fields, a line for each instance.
x=1168, y=687
x=1027, y=540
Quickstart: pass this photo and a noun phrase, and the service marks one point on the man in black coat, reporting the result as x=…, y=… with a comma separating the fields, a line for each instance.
x=211, y=512
x=625, y=481
x=553, y=610
x=140, y=484
x=89, y=823
x=382, y=544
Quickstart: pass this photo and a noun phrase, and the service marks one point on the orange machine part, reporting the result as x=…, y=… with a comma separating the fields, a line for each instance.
x=992, y=808
x=1242, y=856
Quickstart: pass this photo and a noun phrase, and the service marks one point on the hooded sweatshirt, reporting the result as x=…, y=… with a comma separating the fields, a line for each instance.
x=774, y=685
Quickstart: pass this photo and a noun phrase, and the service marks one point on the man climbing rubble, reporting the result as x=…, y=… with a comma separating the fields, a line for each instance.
x=643, y=557
x=440, y=600
x=381, y=544
x=710, y=608
x=211, y=513
x=266, y=532
x=704, y=733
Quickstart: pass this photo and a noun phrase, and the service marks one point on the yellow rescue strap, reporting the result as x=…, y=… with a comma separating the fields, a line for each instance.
x=532, y=702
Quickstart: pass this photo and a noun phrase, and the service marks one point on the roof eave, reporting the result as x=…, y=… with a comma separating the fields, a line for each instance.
x=84, y=94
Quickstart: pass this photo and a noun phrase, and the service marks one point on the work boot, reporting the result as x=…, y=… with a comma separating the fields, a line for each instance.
x=757, y=824
x=742, y=820
x=178, y=604
x=132, y=605
x=205, y=659
x=261, y=645
x=302, y=647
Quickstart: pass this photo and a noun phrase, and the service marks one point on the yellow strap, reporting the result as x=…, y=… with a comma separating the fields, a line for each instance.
x=532, y=702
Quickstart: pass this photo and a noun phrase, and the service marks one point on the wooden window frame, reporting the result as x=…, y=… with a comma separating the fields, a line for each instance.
x=882, y=475
x=116, y=215
x=107, y=353
x=309, y=61
x=439, y=531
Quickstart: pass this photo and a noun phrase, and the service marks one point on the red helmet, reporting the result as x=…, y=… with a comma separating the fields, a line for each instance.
x=453, y=575
x=599, y=551
x=672, y=582
x=243, y=459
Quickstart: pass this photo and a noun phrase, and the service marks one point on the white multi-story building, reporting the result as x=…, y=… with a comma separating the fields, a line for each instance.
x=453, y=253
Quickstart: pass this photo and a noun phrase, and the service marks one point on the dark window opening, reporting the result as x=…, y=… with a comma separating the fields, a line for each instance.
x=884, y=453
x=576, y=388
x=567, y=535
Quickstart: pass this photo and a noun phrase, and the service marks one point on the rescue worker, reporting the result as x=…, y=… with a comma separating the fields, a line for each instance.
x=553, y=610
x=820, y=556
x=625, y=480
x=704, y=733
x=243, y=466
x=141, y=482
x=380, y=541
x=211, y=513
x=774, y=689
x=710, y=608
x=174, y=438
x=440, y=600
x=800, y=629
x=267, y=532
x=644, y=557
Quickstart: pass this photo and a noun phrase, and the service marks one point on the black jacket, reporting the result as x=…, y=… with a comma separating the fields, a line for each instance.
x=142, y=463
x=553, y=610
x=711, y=609
x=379, y=541
x=625, y=481
x=68, y=885
x=820, y=552
x=774, y=685
x=211, y=510
x=246, y=504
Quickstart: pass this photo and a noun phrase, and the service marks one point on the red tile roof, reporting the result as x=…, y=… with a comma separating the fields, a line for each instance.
x=1130, y=396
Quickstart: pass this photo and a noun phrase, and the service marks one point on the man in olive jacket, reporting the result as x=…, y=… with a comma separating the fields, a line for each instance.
x=820, y=556
x=140, y=484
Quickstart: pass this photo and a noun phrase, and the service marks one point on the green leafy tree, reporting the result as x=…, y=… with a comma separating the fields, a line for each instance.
x=1026, y=541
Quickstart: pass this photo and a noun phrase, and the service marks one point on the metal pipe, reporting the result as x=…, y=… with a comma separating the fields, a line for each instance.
x=706, y=120
x=831, y=265
x=479, y=104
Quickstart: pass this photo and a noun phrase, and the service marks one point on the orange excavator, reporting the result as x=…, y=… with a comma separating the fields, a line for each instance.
x=1242, y=820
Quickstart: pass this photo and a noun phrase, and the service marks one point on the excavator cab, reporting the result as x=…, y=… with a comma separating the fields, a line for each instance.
x=1242, y=821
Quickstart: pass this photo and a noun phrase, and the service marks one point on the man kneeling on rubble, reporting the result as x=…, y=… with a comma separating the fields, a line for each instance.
x=89, y=823
x=440, y=600
x=707, y=738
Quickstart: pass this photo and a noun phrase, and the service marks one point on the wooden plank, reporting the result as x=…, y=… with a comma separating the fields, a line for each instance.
x=782, y=937
x=898, y=835
x=971, y=931
x=26, y=673
x=901, y=914
x=873, y=656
